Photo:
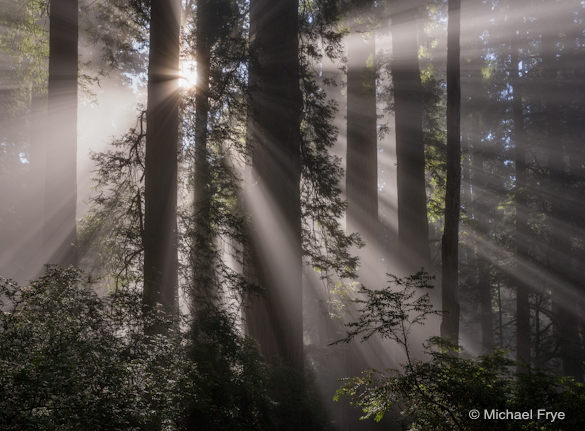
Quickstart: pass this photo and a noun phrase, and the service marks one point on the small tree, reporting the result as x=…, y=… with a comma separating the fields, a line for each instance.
x=439, y=393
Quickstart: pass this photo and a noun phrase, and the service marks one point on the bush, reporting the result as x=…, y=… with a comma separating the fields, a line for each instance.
x=439, y=393
x=71, y=360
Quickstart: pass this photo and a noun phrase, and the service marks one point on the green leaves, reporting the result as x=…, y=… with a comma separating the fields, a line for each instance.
x=393, y=311
x=71, y=360
x=438, y=394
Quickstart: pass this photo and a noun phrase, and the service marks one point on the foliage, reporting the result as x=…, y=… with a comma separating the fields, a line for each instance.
x=324, y=241
x=325, y=244
x=216, y=220
x=23, y=77
x=111, y=235
x=434, y=136
x=438, y=393
x=71, y=360
x=231, y=378
x=296, y=402
x=25, y=42
x=118, y=33
x=392, y=312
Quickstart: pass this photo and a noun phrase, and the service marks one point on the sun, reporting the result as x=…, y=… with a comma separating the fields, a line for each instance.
x=188, y=74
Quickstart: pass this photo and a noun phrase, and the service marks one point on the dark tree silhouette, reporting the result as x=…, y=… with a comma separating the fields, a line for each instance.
x=450, y=240
x=563, y=297
x=160, y=224
x=275, y=318
x=362, y=150
x=408, y=106
x=61, y=154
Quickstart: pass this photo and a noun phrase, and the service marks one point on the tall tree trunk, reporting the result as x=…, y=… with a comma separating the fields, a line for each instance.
x=573, y=90
x=362, y=151
x=522, y=229
x=564, y=290
x=38, y=155
x=275, y=318
x=61, y=158
x=410, y=156
x=160, y=224
x=203, y=242
x=450, y=240
x=481, y=215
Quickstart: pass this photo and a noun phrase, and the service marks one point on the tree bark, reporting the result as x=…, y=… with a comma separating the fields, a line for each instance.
x=61, y=157
x=362, y=150
x=410, y=156
x=160, y=225
x=564, y=289
x=450, y=240
x=275, y=318
x=481, y=215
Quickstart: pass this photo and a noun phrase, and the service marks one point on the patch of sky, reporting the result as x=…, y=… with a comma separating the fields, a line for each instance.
x=136, y=80
x=23, y=158
x=491, y=55
x=507, y=143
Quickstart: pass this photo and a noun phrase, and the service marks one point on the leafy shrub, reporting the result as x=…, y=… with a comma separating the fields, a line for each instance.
x=439, y=393
x=71, y=360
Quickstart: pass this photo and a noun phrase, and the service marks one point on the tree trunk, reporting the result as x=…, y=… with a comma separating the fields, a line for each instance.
x=61, y=158
x=38, y=127
x=576, y=154
x=522, y=230
x=410, y=156
x=160, y=225
x=203, y=250
x=450, y=240
x=275, y=318
x=564, y=289
x=481, y=215
x=362, y=151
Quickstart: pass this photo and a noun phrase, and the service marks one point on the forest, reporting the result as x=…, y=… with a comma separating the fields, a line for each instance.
x=328, y=215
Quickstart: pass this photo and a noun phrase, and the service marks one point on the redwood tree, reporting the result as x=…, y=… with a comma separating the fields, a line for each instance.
x=362, y=151
x=275, y=318
x=160, y=224
x=61, y=155
x=408, y=108
x=450, y=240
